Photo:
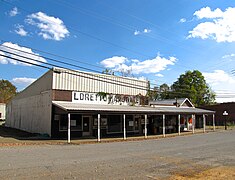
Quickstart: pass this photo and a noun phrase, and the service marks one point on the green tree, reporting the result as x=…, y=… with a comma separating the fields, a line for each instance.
x=153, y=93
x=193, y=85
x=164, y=92
x=7, y=91
x=108, y=71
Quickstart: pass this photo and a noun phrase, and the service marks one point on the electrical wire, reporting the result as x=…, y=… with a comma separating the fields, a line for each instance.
x=125, y=84
x=56, y=55
x=51, y=59
x=111, y=81
x=105, y=79
x=85, y=34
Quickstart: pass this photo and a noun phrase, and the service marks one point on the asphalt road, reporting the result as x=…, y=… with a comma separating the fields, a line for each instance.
x=147, y=159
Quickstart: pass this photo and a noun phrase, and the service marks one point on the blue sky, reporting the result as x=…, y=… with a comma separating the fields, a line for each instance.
x=154, y=39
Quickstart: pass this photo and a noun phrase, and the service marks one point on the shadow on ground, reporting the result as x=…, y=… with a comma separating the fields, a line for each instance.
x=8, y=132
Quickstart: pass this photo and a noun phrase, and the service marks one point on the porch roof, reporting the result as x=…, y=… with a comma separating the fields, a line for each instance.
x=99, y=108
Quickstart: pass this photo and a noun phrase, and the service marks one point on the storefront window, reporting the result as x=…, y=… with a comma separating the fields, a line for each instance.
x=103, y=120
x=75, y=122
x=114, y=123
x=63, y=122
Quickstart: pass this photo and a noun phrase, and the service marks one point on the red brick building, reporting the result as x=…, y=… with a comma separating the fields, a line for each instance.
x=220, y=108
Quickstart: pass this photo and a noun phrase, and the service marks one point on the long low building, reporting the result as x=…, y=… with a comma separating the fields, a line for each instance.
x=73, y=103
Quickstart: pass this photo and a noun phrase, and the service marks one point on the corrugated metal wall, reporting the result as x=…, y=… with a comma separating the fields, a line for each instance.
x=31, y=114
x=2, y=110
x=91, y=82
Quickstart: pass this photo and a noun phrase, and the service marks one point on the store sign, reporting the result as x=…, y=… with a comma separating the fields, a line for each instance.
x=97, y=98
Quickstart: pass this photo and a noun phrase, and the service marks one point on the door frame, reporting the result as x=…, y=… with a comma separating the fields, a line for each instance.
x=87, y=133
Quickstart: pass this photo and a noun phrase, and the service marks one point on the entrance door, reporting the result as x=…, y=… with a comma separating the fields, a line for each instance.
x=86, y=125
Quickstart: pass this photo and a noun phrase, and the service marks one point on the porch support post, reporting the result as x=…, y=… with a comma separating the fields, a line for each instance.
x=124, y=126
x=145, y=126
x=163, y=125
x=213, y=117
x=204, y=123
x=179, y=124
x=193, y=123
x=98, y=128
x=68, y=127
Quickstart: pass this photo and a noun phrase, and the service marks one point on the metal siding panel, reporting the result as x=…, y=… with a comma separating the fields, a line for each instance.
x=65, y=81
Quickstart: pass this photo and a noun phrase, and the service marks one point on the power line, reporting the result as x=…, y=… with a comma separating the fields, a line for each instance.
x=94, y=37
x=86, y=34
x=25, y=61
x=51, y=59
x=44, y=58
x=128, y=27
x=37, y=55
x=97, y=78
x=105, y=79
x=49, y=53
x=111, y=81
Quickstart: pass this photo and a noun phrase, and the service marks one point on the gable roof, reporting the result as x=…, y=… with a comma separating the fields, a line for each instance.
x=185, y=102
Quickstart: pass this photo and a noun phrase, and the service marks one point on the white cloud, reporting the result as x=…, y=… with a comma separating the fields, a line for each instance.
x=20, y=30
x=3, y=60
x=155, y=65
x=145, y=31
x=220, y=26
x=50, y=27
x=218, y=77
x=142, y=78
x=32, y=55
x=228, y=56
x=136, y=32
x=207, y=13
x=13, y=12
x=22, y=82
x=113, y=61
x=223, y=84
x=159, y=75
x=182, y=20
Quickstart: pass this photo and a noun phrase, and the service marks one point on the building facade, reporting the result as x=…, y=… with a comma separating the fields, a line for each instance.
x=229, y=107
x=2, y=111
x=72, y=103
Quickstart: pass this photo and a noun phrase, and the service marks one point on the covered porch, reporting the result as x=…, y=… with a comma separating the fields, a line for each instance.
x=81, y=120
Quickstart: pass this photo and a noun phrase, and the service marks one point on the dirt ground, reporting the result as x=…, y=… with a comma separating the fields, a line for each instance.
x=201, y=156
x=217, y=173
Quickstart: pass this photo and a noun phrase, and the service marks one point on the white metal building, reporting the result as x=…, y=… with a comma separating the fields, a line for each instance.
x=2, y=111
x=31, y=110
x=65, y=103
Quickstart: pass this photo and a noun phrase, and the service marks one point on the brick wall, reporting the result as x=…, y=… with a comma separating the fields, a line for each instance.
x=60, y=95
x=220, y=108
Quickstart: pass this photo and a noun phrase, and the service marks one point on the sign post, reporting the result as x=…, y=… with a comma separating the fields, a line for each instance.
x=225, y=120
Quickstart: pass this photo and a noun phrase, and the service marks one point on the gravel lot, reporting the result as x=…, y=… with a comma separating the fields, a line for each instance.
x=173, y=158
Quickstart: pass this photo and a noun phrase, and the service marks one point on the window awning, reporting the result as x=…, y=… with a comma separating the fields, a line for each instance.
x=93, y=108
